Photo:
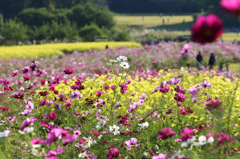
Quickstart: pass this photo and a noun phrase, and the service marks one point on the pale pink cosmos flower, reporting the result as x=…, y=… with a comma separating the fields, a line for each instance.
x=132, y=143
x=73, y=138
x=14, y=73
x=53, y=153
x=185, y=50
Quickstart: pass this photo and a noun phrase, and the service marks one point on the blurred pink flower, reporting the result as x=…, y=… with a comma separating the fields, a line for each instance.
x=14, y=73
x=231, y=6
x=207, y=29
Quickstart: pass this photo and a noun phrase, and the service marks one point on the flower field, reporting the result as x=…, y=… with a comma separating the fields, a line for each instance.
x=116, y=104
x=48, y=50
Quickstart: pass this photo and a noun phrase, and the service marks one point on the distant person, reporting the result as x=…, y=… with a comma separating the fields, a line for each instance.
x=33, y=66
x=183, y=20
x=168, y=20
x=160, y=15
x=199, y=60
x=212, y=61
x=163, y=22
x=235, y=41
x=142, y=18
x=106, y=47
x=222, y=41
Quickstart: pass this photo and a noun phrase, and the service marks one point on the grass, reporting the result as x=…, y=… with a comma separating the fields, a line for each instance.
x=175, y=24
x=151, y=21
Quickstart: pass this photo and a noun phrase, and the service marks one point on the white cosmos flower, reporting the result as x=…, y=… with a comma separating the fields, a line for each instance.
x=122, y=58
x=4, y=134
x=82, y=155
x=146, y=154
x=100, y=124
x=125, y=65
x=29, y=130
x=144, y=125
x=189, y=141
x=114, y=129
x=100, y=136
x=203, y=140
x=113, y=61
x=36, y=153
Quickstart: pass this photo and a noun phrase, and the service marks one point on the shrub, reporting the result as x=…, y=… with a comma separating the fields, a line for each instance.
x=89, y=31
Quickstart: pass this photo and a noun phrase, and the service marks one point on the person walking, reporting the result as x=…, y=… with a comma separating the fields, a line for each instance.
x=212, y=61
x=199, y=60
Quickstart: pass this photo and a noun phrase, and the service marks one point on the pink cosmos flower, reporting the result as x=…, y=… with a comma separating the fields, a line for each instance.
x=113, y=153
x=99, y=93
x=117, y=105
x=179, y=97
x=180, y=89
x=56, y=133
x=27, y=122
x=132, y=143
x=231, y=6
x=214, y=105
x=26, y=77
x=25, y=70
x=160, y=156
x=106, y=87
x=14, y=73
x=39, y=72
x=77, y=132
x=224, y=139
x=68, y=71
x=128, y=81
x=113, y=87
x=73, y=138
x=166, y=133
x=43, y=102
x=143, y=96
x=36, y=141
x=76, y=95
x=153, y=62
x=54, y=153
x=207, y=28
x=187, y=134
x=206, y=84
x=185, y=49
x=43, y=82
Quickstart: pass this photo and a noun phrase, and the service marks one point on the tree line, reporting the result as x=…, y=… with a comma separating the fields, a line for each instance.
x=79, y=23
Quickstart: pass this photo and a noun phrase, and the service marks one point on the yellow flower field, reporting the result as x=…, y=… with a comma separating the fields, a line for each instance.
x=47, y=50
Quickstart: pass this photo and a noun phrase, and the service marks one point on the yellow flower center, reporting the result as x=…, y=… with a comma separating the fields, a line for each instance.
x=208, y=33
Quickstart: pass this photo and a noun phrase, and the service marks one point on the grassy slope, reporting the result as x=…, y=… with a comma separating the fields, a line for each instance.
x=175, y=24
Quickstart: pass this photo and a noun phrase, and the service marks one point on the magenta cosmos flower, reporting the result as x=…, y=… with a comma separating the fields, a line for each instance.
x=185, y=50
x=113, y=153
x=187, y=134
x=179, y=97
x=68, y=71
x=14, y=73
x=180, y=89
x=53, y=153
x=166, y=133
x=73, y=138
x=164, y=88
x=36, y=141
x=207, y=28
x=214, y=105
x=25, y=70
x=231, y=6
